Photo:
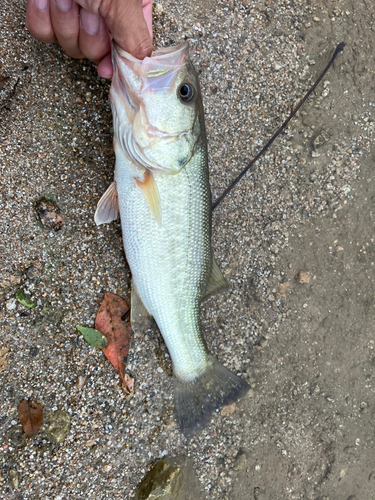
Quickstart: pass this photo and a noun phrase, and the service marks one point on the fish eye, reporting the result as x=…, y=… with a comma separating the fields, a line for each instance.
x=186, y=92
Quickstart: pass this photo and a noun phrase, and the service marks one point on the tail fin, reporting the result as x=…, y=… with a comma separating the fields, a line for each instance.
x=196, y=400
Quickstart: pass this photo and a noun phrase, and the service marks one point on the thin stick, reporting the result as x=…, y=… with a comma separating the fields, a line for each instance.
x=338, y=49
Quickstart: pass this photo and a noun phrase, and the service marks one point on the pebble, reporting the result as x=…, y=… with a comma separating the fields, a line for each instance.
x=49, y=214
x=3, y=360
x=59, y=426
x=303, y=277
x=228, y=410
x=169, y=479
x=14, y=479
x=11, y=304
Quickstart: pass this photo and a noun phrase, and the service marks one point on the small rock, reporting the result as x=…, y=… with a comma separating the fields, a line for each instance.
x=303, y=277
x=158, y=9
x=283, y=291
x=14, y=479
x=240, y=461
x=15, y=280
x=79, y=100
x=11, y=304
x=16, y=436
x=5, y=284
x=49, y=214
x=228, y=410
x=319, y=139
x=170, y=479
x=80, y=382
x=35, y=270
x=3, y=361
x=59, y=426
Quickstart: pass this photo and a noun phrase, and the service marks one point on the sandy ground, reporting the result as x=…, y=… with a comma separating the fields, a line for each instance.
x=295, y=240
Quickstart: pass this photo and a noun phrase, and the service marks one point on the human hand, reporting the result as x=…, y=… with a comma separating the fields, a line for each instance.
x=84, y=27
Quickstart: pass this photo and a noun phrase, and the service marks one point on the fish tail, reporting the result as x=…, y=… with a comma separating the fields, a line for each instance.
x=196, y=400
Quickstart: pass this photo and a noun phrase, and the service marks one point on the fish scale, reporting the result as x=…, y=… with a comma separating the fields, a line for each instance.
x=161, y=264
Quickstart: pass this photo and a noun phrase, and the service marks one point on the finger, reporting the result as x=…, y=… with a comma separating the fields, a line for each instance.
x=147, y=14
x=105, y=69
x=38, y=21
x=128, y=27
x=65, y=22
x=94, y=41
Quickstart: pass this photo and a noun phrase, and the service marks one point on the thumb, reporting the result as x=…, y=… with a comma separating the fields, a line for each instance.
x=130, y=24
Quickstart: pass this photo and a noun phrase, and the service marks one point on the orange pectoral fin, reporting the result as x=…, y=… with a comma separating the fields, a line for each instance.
x=151, y=193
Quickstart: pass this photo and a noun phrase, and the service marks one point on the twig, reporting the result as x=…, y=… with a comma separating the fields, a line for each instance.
x=338, y=49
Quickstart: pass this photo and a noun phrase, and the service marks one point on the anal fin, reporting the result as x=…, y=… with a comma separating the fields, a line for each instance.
x=107, y=209
x=151, y=193
x=140, y=318
x=216, y=281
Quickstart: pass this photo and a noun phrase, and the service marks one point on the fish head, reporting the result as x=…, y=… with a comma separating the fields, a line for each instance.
x=157, y=107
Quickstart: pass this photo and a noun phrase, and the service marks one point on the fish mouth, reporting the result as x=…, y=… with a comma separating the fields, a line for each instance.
x=155, y=72
x=170, y=55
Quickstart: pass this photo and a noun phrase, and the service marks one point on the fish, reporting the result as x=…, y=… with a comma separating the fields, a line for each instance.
x=161, y=191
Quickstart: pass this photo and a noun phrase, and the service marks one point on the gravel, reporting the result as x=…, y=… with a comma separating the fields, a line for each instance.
x=255, y=63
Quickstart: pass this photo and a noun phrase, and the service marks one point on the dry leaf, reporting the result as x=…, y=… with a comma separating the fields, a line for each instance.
x=30, y=415
x=127, y=383
x=112, y=321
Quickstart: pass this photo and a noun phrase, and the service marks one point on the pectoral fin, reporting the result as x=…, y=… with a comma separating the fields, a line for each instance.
x=151, y=193
x=107, y=209
x=139, y=316
x=216, y=281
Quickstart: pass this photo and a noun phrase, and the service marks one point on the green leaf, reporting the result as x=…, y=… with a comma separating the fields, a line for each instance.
x=25, y=301
x=93, y=337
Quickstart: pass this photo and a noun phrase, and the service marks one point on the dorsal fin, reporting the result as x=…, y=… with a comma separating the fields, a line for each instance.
x=107, y=209
x=216, y=281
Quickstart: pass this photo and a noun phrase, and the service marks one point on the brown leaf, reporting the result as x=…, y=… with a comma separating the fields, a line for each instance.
x=30, y=415
x=109, y=321
x=127, y=383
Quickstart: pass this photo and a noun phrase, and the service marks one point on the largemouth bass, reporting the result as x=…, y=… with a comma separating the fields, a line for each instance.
x=161, y=190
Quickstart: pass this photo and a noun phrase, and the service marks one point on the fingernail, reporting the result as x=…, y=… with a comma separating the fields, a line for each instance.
x=41, y=4
x=64, y=5
x=89, y=22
